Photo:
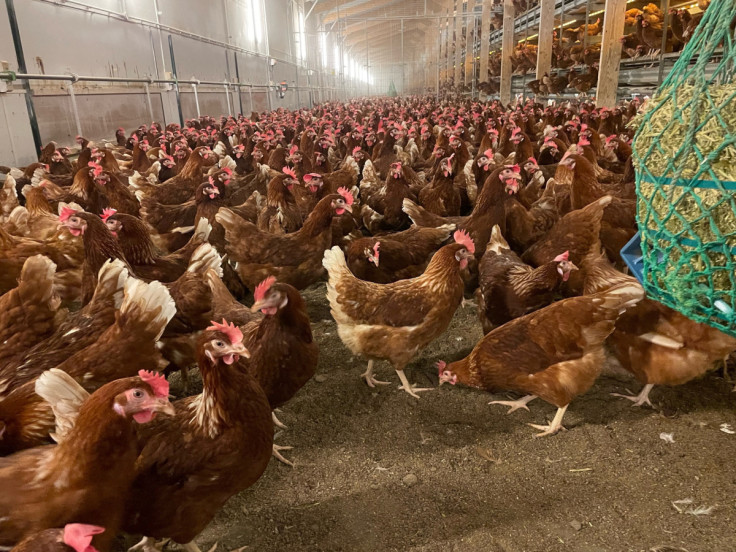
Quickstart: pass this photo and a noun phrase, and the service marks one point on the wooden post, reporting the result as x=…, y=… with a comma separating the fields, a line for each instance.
x=546, y=27
x=485, y=39
x=507, y=49
x=469, y=43
x=458, y=42
x=613, y=30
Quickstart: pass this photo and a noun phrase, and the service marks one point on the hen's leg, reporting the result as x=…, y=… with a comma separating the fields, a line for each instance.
x=517, y=404
x=149, y=544
x=555, y=426
x=279, y=457
x=276, y=421
x=406, y=386
x=368, y=376
x=640, y=399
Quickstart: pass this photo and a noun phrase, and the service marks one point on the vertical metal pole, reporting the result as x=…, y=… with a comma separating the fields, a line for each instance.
x=240, y=90
x=196, y=99
x=148, y=98
x=437, y=80
x=75, y=111
x=227, y=99
x=250, y=93
x=15, y=31
x=403, y=76
x=176, y=82
x=268, y=88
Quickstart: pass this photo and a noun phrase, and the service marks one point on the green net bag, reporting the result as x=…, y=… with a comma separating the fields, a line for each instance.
x=685, y=161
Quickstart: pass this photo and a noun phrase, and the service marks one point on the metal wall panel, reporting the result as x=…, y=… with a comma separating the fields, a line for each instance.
x=53, y=38
x=67, y=37
x=103, y=114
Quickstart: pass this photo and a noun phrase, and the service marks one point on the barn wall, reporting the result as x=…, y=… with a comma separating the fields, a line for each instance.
x=130, y=39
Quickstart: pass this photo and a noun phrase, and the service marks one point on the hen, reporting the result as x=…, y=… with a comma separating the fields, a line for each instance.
x=283, y=353
x=657, y=344
x=217, y=444
x=84, y=477
x=555, y=353
x=387, y=258
x=28, y=313
x=510, y=288
x=395, y=321
x=292, y=258
x=75, y=536
x=131, y=340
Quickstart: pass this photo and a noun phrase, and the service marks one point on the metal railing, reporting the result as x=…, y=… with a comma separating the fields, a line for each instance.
x=72, y=78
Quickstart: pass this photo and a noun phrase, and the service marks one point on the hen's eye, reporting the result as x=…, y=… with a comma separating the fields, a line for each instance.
x=219, y=344
x=138, y=394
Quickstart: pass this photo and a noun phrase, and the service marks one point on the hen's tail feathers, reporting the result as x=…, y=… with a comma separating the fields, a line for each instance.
x=38, y=176
x=227, y=162
x=497, y=241
x=334, y=262
x=36, y=282
x=228, y=219
x=18, y=219
x=111, y=283
x=9, y=187
x=202, y=231
x=220, y=149
x=205, y=258
x=622, y=296
x=600, y=275
x=64, y=395
x=146, y=307
x=353, y=167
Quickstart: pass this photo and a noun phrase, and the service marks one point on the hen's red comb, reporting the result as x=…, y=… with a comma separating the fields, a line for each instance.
x=79, y=536
x=462, y=237
x=232, y=332
x=107, y=213
x=293, y=149
x=345, y=193
x=516, y=168
x=441, y=365
x=157, y=381
x=228, y=171
x=488, y=153
x=532, y=160
x=309, y=176
x=356, y=149
x=289, y=172
x=376, y=248
x=66, y=212
x=96, y=169
x=562, y=257
x=263, y=287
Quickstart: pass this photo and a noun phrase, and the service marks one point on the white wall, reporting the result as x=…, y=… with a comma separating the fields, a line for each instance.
x=128, y=38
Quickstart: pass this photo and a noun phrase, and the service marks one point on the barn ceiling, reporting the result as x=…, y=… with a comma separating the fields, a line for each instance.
x=372, y=28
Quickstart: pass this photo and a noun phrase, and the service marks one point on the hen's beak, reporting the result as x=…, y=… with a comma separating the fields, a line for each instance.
x=348, y=208
x=162, y=405
x=267, y=303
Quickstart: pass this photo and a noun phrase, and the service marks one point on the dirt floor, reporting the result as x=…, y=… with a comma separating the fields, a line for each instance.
x=379, y=470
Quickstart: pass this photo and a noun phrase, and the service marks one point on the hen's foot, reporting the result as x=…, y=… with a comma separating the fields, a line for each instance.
x=276, y=421
x=406, y=386
x=370, y=380
x=517, y=404
x=554, y=426
x=279, y=457
x=641, y=399
x=148, y=544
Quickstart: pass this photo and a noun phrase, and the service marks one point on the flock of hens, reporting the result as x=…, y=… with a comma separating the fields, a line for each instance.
x=123, y=262
x=576, y=54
